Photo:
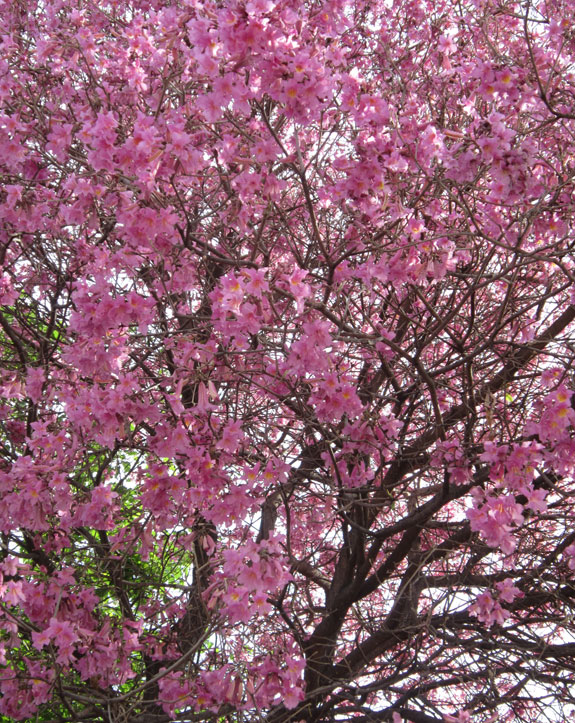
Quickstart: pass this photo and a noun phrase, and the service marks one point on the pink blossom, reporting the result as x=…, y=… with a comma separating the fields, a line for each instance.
x=507, y=590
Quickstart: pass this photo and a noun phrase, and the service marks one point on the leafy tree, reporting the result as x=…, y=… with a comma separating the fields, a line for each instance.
x=286, y=360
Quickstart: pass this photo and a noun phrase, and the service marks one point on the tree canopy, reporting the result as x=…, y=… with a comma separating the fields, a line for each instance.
x=286, y=361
